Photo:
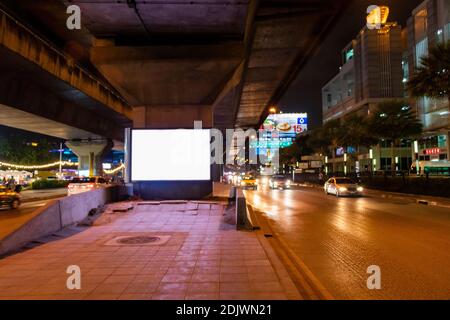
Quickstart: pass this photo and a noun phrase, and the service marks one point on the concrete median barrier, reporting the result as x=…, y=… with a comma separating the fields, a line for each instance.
x=56, y=215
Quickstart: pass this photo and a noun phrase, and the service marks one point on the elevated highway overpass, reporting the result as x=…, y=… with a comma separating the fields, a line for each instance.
x=153, y=64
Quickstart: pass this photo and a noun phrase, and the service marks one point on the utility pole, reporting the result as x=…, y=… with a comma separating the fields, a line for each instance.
x=60, y=159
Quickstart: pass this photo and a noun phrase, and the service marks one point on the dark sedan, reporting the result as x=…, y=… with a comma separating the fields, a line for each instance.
x=9, y=198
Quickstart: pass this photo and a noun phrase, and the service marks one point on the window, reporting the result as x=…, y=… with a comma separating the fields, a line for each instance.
x=421, y=25
x=421, y=51
x=349, y=55
x=447, y=32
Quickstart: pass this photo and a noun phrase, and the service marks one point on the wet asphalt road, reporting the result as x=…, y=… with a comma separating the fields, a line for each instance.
x=339, y=238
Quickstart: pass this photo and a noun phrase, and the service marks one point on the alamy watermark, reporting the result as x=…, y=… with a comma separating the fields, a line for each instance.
x=238, y=151
x=376, y=16
x=73, y=282
x=73, y=22
x=374, y=280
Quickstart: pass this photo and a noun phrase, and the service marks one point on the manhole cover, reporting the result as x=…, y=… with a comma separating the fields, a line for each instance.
x=138, y=240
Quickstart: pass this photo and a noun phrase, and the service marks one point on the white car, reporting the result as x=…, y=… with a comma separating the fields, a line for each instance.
x=83, y=184
x=342, y=187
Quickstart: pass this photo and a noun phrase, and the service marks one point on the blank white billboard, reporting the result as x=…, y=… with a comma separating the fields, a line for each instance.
x=170, y=155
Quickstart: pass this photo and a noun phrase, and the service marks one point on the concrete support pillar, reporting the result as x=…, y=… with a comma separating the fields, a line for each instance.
x=127, y=155
x=90, y=154
x=127, y=162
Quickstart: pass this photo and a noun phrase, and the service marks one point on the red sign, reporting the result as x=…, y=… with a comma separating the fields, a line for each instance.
x=432, y=151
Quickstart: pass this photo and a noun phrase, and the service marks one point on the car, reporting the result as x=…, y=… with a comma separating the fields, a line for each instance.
x=263, y=180
x=279, y=182
x=9, y=198
x=83, y=184
x=249, y=182
x=342, y=187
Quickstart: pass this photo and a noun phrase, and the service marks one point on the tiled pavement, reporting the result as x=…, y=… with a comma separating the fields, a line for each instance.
x=203, y=259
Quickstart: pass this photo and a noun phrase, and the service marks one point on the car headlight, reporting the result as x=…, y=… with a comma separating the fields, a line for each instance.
x=343, y=189
x=288, y=182
x=360, y=189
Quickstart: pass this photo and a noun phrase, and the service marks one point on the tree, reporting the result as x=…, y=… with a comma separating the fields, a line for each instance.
x=432, y=77
x=304, y=144
x=394, y=121
x=330, y=135
x=356, y=133
x=18, y=150
x=290, y=155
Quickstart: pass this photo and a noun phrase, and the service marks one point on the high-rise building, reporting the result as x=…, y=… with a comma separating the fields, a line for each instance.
x=429, y=25
x=372, y=72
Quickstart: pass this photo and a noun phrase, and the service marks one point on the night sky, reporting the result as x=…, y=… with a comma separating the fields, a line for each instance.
x=305, y=92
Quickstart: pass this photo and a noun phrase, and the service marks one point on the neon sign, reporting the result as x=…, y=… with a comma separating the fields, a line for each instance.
x=432, y=151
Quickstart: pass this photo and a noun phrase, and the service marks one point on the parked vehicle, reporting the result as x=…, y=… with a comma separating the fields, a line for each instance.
x=342, y=187
x=83, y=184
x=9, y=198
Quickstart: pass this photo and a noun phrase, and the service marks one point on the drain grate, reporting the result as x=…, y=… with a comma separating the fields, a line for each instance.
x=138, y=240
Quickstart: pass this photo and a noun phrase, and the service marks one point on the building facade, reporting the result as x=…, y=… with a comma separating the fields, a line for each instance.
x=376, y=67
x=428, y=25
x=371, y=73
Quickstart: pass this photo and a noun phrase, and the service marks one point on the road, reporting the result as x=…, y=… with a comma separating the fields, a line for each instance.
x=339, y=238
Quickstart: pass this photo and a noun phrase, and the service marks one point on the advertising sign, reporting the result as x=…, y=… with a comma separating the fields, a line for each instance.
x=170, y=155
x=286, y=124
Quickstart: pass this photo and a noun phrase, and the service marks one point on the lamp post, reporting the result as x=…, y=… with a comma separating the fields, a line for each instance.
x=60, y=159
x=345, y=164
x=416, y=155
x=371, y=160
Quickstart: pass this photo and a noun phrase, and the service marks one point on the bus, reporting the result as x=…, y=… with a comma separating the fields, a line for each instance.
x=432, y=168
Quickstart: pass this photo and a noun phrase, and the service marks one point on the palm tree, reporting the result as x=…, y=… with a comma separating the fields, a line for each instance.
x=432, y=78
x=394, y=121
x=356, y=132
x=290, y=155
x=329, y=136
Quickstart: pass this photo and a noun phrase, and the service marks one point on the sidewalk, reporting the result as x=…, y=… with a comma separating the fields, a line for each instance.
x=203, y=258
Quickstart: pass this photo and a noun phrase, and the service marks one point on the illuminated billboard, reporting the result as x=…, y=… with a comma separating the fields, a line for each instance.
x=170, y=155
x=286, y=124
x=279, y=131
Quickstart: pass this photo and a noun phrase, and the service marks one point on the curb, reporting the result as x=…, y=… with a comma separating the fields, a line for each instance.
x=414, y=198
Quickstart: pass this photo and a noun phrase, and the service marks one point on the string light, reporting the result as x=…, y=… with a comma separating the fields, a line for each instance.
x=122, y=166
x=37, y=167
